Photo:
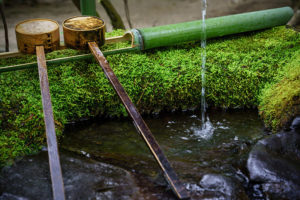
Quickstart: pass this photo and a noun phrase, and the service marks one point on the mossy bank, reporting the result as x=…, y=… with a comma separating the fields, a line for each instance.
x=238, y=68
x=280, y=100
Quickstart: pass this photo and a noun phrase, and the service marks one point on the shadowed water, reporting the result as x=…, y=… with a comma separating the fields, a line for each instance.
x=221, y=148
x=210, y=163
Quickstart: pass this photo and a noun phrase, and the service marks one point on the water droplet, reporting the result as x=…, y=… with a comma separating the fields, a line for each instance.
x=188, y=151
x=184, y=138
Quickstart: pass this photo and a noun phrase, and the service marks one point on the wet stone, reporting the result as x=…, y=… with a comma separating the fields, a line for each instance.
x=83, y=179
x=222, y=187
x=274, y=162
x=296, y=124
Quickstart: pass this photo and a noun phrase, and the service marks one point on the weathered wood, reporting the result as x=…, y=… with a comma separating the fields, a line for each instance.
x=5, y=26
x=78, y=31
x=140, y=125
x=128, y=36
x=62, y=60
x=55, y=169
x=127, y=13
x=295, y=20
x=34, y=32
x=10, y=54
x=114, y=16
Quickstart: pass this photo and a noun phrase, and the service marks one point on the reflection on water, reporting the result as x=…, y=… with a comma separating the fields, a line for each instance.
x=221, y=148
x=211, y=162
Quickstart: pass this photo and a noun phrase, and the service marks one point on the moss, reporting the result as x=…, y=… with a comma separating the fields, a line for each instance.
x=238, y=67
x=280, y=100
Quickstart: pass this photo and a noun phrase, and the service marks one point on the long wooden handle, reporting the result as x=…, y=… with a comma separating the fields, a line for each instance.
x=55, y=169
x=141, y=126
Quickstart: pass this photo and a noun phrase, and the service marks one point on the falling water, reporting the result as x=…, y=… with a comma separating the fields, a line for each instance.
x=206, y=131
x=203, y=69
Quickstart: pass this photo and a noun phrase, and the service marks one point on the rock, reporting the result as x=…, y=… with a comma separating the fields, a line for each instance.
x=222, y=187
x=83, y=179
x=296, y=125
x=275, y=163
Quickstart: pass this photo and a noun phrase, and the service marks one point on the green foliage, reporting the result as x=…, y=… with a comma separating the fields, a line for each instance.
x=280, y=100
x=238, y=67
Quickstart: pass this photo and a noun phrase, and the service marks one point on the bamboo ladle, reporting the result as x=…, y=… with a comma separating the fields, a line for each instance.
x=38, y=36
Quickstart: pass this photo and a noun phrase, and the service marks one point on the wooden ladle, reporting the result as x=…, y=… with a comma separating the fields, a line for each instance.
x=38, y=36
x=86, y=32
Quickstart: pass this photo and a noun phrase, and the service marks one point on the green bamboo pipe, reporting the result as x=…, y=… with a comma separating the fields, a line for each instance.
x=88, y=7
x=147, y=38
x=215, y=27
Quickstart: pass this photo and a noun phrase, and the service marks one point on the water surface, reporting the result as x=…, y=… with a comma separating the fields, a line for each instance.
x=108, y=159
x=222, y=148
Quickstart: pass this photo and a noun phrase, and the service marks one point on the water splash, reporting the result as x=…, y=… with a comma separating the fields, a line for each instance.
x=205, y=132
x=203, y=68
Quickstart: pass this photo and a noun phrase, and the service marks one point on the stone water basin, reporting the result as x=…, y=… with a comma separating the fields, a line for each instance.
x=107, y=159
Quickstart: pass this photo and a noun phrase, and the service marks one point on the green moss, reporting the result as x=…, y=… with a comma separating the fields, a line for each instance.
x=238, y=67
x=280, y=101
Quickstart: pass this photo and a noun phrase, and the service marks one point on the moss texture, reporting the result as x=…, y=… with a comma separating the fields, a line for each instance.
x=238, y=68
x=280, y=101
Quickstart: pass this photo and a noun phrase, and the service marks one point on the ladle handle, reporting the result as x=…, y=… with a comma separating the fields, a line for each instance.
x=140, y=124
x=55, y=169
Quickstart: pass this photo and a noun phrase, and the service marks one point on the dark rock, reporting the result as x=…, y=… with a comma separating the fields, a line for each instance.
x=296, y=125
x=83, y=179
x=275, y=163
x=222, y=187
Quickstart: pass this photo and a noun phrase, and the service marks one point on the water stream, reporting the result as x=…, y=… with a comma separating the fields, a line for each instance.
x=206, y=130
x=205, y=124
x=203, y=69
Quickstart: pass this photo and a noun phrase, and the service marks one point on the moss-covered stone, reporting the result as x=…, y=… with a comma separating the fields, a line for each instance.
x=238, y=67
x=280, y=101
